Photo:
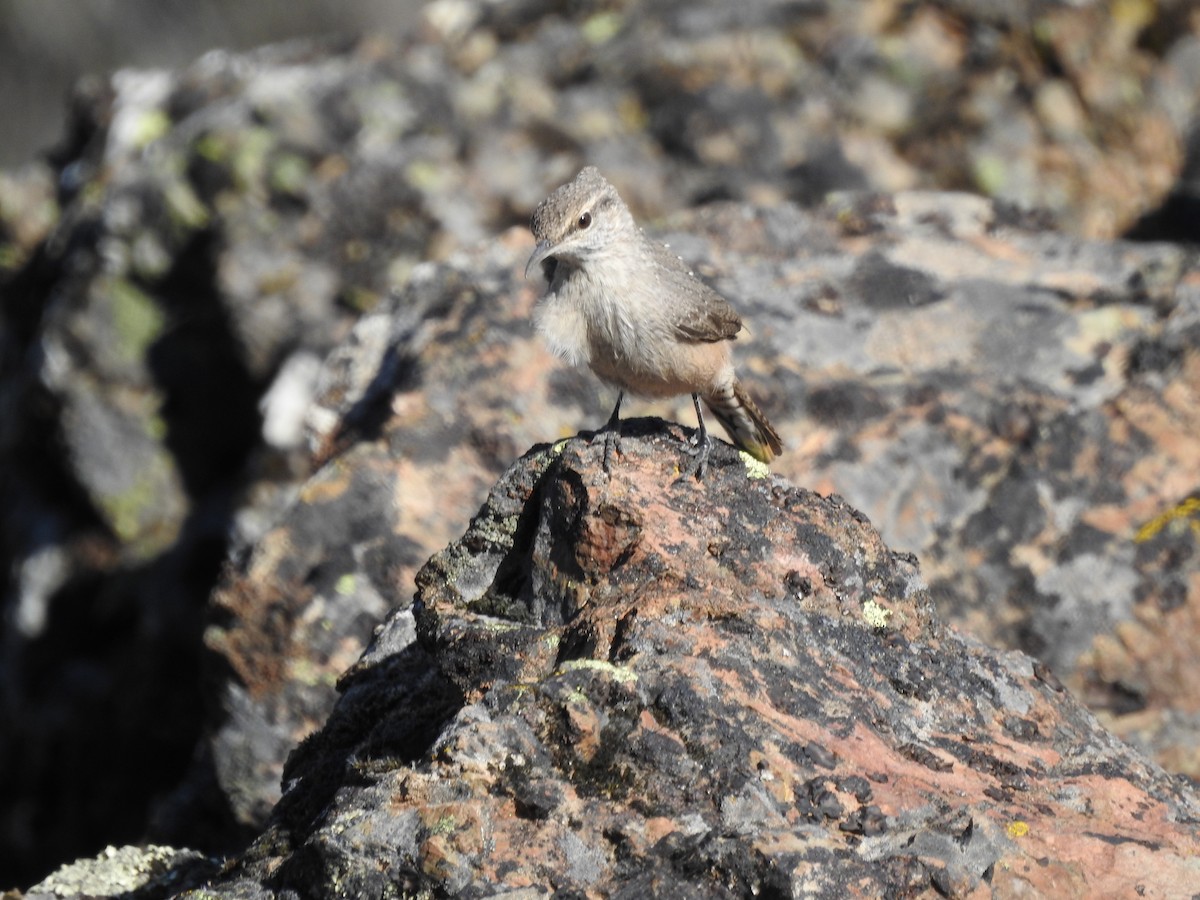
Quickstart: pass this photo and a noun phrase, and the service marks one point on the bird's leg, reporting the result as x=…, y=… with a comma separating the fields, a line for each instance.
x=700, y=448
x=612, y=432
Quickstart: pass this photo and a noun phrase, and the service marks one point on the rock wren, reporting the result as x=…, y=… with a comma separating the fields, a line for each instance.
x=631, y=309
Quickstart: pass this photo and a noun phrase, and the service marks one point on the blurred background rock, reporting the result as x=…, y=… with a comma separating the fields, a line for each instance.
x=46, y=46
x=202, y=238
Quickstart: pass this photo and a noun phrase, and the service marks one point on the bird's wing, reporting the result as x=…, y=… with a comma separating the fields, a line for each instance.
x=704, y=316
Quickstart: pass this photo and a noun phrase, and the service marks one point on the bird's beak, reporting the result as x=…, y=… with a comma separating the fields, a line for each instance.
x=540, y=252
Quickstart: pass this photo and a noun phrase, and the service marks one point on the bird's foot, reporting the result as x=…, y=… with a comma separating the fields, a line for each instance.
x=697, y=447
x=612, y=435
x=612, y=446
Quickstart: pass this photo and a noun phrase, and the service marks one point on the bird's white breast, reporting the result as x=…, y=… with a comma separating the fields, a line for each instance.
x=603, y=314
x=563, y=326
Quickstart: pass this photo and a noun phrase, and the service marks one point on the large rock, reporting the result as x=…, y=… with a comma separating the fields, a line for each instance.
x=627, y=685
x=964, y=378
x=1010, y=403
x=922, y=353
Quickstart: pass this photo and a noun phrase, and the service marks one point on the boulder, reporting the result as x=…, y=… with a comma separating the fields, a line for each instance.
x=262, y=332
x=623, y=683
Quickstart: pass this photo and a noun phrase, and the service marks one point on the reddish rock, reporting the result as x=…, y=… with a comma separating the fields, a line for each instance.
x=1006, y=403
x=1012, y=404
x=628, y=686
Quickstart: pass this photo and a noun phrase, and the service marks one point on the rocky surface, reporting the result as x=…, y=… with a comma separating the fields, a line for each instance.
x=130, y=872
x=628, y=685
x=191, y=267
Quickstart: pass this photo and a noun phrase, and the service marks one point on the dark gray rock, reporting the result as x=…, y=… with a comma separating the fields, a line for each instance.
x=1012, y=403
x=625, y=686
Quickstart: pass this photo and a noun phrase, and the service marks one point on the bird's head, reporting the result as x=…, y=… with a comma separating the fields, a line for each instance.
x=579, y=221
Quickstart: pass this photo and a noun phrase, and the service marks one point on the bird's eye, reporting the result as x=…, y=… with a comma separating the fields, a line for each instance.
x=585, y=220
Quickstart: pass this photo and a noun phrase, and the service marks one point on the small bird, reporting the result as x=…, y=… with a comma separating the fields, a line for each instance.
x=633, y=311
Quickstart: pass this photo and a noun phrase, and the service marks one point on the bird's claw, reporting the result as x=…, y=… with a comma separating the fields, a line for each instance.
x=698, y=448
x=612, y=445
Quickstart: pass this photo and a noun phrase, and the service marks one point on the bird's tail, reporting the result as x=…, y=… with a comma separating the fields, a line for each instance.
x=747, y=427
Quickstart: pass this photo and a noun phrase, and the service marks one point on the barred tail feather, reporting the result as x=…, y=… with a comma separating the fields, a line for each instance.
x=747, y=427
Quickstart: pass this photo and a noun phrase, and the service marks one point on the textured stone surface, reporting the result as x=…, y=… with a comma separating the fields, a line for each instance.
x=126, y=872
x=191, y=267
x=982, y=474
x=626, y=686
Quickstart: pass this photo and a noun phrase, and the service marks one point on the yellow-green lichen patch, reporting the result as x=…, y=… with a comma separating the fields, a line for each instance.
x=618, y=673
x=602, y=27
x=290, y=174
x=1186, y=513
x=875, y=615
x=308, y=673
x=150, y=126
x=1017, y=829
x=755, y=468
x=498, y=531
x=187, y=210
x=136, y=318
x=132, y=514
